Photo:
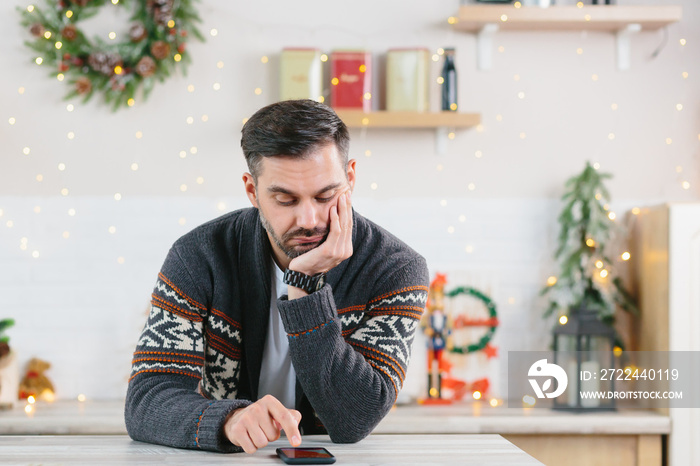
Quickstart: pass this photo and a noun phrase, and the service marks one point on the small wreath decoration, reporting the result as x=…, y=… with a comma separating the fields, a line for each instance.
x=154, y=47
x=491, y=322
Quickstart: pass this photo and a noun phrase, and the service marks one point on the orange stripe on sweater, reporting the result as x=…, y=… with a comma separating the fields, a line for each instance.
x=410, y=288
x=199, y=377
x=134, y=361
x=398, y=372
x=396, y=390
x=161, y=303
x=218, y=313
x=164, y=353
x=181, y=293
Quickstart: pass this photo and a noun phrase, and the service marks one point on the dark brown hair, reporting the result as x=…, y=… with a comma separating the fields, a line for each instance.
x=292, y=128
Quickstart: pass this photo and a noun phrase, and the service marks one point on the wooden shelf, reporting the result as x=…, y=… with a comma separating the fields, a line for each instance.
x=428, y=120
x=611, y=18
x=623, y=21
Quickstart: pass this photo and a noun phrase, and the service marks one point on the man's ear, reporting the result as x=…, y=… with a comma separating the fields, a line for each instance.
x=250, y=191
x=351, y=173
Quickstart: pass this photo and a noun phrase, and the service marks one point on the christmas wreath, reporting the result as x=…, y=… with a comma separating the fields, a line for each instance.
x=154, y=47
x=491, y=322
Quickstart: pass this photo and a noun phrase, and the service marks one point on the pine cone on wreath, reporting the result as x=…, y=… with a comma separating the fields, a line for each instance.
x=161, y=10
x=160, y=50
x=104, y=63
x=37, y=30
x=83, y=85
x=146, y=67
x=137, y=32
x=70, y=32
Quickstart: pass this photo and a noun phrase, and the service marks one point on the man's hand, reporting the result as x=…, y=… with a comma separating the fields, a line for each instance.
x=256, y=425
x=333, y=251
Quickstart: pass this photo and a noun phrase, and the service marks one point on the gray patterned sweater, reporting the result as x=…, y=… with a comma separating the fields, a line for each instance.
x=200, y=352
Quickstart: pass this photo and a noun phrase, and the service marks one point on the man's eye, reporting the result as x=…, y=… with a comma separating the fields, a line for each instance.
x=324, y=199
x=285, y=203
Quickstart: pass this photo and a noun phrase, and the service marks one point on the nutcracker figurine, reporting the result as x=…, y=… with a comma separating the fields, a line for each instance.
x=437, y=327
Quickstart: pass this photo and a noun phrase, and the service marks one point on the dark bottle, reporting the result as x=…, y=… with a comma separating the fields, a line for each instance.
x=449, y=82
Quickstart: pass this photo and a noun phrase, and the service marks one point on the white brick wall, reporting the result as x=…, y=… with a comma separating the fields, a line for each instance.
x=79, y=308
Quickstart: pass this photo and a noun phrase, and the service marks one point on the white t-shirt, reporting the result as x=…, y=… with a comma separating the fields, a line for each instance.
x=277, y=375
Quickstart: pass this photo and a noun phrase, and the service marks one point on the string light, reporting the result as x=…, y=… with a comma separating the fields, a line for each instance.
x=39, y=60
x=264, y=59
x=30, y=8
x=617, y=351
x=12, y=121
x=71, y=135
x=478, y=154
x=130, y=102
x=117, y=196
x=177, y=57
x=221, y=206
x=679, y=107
x=66, y=235
x=551, y=281
x=563, y=320
x=183, y=154
x=138, y=134
x=669, y=141
x=190, y=120
x=71, y=212
x=35, y=254
x=112, y=35
x=451, y=20
x=182, y=221
x=443, y=202
x=220, y=64
x=200, y=180
x=579, y=51
x=501, y=49
x=625, y=256
x=193, y=150
x=37, y=209
x=613, y=106
x=120, y=260
x=439, y=167
x=450, y=229
x=636, y=210
x=435, y=57
x=471, y=187
x=40, y=177
x=214, y=32
x=374, y=186
x=599, y=264
x=324, y=57
x=368, y=153
x=523, y=135
x=134, y=166
x=61, y=167
x=528, y=401
x=603, y=273
x=469, y=249
x=81, y=397
x=258, y=91
x=683, y=41
x=462, y=218
x=686, y=185
x=190, y=88
x=20, y=90
x=26, y=151
x=504, y=18
x=590, y=242
x=451, y=134
x=70, y=107
x=494, y=402
x=216, y=86
x=183, y=187
x=596, y=166
x=477, y=395
x=440, y=80
x=112, y=230
x=611, y=215
x=205, y=118
x=521, y=95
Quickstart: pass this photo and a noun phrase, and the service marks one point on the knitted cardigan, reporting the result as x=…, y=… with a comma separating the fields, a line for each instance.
x=199, y=355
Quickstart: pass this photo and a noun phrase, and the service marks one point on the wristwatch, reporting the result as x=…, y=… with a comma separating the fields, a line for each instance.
x=305, y=282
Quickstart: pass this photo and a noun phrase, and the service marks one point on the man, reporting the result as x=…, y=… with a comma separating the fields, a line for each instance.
x=297, y=314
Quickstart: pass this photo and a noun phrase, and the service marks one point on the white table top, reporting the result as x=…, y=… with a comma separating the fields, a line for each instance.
x=375, y=450
x=107, y=417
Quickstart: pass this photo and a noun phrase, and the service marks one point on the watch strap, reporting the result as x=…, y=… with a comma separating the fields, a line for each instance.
x=308, y=283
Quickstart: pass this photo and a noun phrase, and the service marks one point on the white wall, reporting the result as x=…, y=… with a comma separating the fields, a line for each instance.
x=77, y=306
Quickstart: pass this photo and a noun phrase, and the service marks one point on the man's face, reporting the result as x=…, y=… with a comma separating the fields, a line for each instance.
x=294, y=197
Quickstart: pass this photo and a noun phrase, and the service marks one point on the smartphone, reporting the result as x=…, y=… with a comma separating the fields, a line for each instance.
x=305, y=455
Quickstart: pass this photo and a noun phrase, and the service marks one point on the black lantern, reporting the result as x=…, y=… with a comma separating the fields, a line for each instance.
x=583, y=347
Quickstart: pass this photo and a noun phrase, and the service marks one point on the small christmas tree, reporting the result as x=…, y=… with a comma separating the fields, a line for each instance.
x=4, y=339
x=588, y=278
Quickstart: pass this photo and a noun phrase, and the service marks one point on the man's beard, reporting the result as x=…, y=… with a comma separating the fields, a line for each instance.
x=293, y=251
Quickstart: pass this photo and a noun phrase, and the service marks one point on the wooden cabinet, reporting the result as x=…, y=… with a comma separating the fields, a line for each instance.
x=667, y=249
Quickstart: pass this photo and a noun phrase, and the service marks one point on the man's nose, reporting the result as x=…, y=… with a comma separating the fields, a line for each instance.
x=308, y=215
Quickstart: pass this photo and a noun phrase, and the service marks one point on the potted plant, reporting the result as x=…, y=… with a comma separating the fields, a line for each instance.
x=9, y=370
x=588, y=280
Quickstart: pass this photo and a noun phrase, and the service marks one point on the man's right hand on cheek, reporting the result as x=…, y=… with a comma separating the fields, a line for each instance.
x=338, y=244
x=256, y=425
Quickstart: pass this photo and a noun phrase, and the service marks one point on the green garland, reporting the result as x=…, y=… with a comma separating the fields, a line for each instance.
x=153, y=49
x=490, y=305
